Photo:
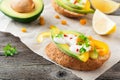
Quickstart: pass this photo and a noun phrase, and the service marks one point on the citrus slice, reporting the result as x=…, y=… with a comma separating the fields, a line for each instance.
x=102, y=24
x=43, y=35
x=106, y=6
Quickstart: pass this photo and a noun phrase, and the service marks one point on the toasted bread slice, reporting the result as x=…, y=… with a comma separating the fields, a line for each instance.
x=61, y=58
x=64, y=11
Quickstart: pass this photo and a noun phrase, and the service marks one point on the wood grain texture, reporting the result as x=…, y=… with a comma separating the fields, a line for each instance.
x=30, y=66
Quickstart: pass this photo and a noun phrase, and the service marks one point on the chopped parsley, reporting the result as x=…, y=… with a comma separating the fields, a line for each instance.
x=59, y=35
x=87, y=44
x=83, y=37
x=84, y=40
x=79, y=43
x=82, y=50
x=9, y=50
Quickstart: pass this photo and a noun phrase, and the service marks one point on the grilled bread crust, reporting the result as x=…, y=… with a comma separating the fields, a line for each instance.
x=65, y=12
x=67, y=61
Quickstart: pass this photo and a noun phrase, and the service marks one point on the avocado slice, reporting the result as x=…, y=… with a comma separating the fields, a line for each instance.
x=80, y=11
x=94, y=54
x=65, y=48
x=5, y=7
x=80, y=6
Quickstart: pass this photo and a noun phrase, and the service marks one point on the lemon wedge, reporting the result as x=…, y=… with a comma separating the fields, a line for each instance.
x=43, y=35
x=106, y=6
x=102, y=24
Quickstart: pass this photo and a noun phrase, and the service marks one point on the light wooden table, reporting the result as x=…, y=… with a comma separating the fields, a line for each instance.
x=30, y=66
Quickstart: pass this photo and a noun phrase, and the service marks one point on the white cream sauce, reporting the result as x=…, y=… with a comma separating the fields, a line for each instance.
x=71, y=40
x=81, y=2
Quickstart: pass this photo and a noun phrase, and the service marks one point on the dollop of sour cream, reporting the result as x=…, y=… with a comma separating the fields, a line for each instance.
x=75, y=48
x=72, y=1
x=71, y=40
x=83, y=1
x=78, y=2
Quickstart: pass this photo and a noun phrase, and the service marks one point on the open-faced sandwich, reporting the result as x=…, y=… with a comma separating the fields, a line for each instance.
x=76, y=51
x=72, y=8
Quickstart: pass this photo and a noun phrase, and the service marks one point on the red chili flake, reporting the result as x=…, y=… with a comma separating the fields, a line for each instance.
x=75, y=1
x=71, y=38
x=65, y=35
x=77, y=50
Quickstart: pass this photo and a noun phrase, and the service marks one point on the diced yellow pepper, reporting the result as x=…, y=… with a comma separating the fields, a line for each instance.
x=84, y=57
x=101, y=47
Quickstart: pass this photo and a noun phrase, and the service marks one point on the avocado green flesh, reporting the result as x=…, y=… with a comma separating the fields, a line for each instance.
x=80, y=11
x=94, y=55
x=64, y=47
x=5, y=7
x=66, y=2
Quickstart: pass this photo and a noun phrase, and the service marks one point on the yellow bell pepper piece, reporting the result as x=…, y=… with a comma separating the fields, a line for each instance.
x=84, y=57
x=101, y=47
x=87, y=5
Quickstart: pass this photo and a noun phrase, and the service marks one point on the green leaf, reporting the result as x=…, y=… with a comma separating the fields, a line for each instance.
x=87, y=44
x=82, y=50
x=83, y=37
x=79, y=43
x=59, y=35
x=85, y=40
x=9, y=50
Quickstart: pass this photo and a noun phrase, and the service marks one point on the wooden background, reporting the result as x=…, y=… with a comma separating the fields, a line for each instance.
x=30, y=66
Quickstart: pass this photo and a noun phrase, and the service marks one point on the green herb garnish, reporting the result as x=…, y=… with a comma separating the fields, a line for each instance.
x=87, y=44
x=59, y=35
x=9, y=50
x=84, y=39
x=82, y=50
x=79, y=43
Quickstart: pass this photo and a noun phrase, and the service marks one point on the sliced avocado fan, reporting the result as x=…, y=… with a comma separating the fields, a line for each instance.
x=5, y=7
x=65, y=47
x=68, y=3
x=74, y=8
